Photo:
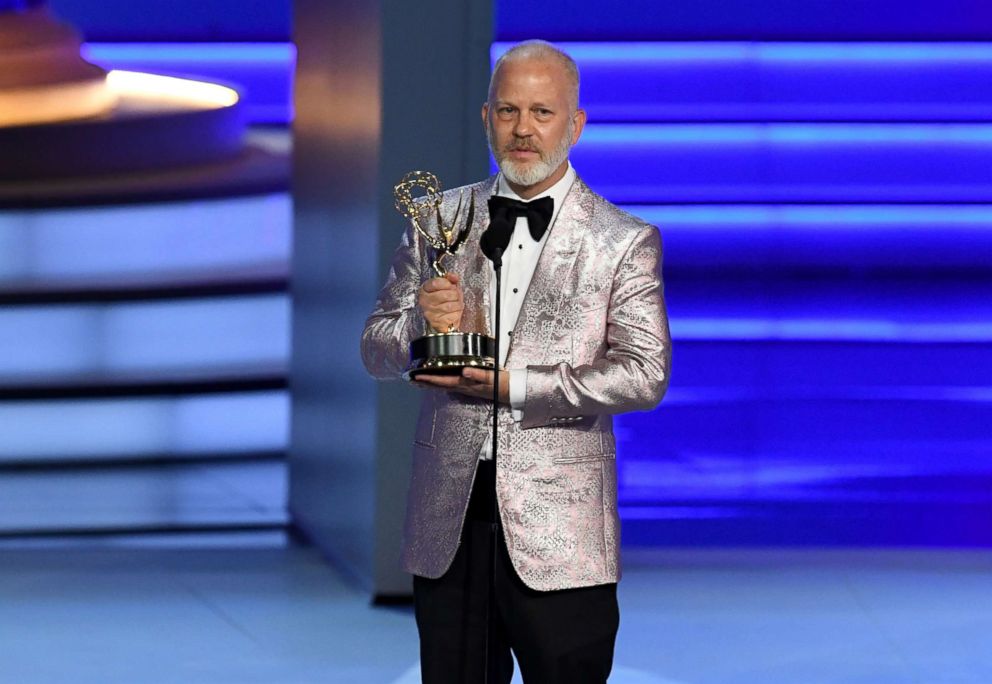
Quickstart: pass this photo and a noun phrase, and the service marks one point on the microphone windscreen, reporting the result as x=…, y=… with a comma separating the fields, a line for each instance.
x=497, y=235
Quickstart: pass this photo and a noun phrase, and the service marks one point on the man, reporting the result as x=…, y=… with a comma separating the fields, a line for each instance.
x=585, y=336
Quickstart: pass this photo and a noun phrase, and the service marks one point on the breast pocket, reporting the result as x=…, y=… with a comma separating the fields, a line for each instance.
x=582, y=458
x=426, y=424
x=580, y=445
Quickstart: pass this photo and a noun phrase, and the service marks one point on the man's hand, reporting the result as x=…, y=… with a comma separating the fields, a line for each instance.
x=473, y=382
x=441, y=302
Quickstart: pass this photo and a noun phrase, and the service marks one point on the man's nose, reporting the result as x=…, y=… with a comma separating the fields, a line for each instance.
x=523, y=127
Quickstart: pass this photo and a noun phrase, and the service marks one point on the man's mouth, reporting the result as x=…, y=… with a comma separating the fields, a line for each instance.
x=523, y=152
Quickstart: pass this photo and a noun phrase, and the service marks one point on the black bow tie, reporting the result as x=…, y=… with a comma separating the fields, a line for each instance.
x=538, y=213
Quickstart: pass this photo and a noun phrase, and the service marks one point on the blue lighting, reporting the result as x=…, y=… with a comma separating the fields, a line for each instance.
x=789, y=82
x=282, y=55
x=828, y=329
x=876, y=52
x=762, y=239
x=144, y=337
x=816, y=217
x=685, y=396
x=628, y=512
x=765, y=163
x=635, y=135
x=86, y=428
x=617, y=52
x=18, y=5
x=198, y=240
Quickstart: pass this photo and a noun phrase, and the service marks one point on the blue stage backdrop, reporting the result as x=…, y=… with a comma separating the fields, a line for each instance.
x=825, y=208
x=820, y=174
x=214, y=21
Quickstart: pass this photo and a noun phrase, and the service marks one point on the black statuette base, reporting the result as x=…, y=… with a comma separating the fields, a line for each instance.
x=448, y=353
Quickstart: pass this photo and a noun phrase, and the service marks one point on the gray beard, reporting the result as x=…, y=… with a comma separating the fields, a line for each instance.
x=532, y=173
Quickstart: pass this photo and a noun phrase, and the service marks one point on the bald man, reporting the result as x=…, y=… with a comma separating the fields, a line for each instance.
x=585, y=337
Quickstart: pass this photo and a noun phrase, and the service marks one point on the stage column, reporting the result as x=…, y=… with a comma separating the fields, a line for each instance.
x=381, y=88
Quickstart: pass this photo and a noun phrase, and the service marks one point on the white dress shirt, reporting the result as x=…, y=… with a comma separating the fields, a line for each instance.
x=519, y=262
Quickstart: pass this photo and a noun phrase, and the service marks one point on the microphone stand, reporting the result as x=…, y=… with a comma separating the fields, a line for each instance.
x=494, y=526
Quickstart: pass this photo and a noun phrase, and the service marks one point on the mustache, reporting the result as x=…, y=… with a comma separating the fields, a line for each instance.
x=523, y=146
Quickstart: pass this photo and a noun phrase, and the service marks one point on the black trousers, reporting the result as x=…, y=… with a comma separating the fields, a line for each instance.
x=557, y=636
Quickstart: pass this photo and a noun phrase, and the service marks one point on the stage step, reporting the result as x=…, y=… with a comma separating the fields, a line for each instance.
x=178, y=335
x=160, y=244
x=143, y=498
x=90, y=428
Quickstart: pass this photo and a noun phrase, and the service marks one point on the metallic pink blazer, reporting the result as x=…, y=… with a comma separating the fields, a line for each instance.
x=593, y=334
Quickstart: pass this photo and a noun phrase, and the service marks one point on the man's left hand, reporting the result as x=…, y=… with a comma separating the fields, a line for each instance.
x=473, y=382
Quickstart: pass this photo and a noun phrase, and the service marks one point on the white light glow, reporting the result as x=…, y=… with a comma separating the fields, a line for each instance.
x=179, y=91
x=55, y=103
x=135, y=337
x=87, y=428
x=145, y=243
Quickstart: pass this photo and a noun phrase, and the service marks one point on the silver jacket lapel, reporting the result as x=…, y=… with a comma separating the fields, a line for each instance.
x=543, y=298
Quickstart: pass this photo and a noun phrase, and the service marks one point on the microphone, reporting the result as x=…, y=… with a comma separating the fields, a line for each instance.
x=493, y=242
x=497, y=236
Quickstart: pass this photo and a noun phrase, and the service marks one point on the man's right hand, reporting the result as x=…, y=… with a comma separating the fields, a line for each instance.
x=441, y=302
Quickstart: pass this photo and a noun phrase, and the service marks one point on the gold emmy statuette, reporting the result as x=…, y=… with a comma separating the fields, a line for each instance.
x=440, y=352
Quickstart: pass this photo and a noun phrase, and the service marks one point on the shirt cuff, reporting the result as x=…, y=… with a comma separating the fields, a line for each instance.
x=518, y=392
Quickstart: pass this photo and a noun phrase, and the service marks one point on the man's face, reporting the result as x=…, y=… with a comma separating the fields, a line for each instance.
x=530, y=124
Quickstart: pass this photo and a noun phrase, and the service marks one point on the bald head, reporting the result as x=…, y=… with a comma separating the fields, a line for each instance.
x=539, y=50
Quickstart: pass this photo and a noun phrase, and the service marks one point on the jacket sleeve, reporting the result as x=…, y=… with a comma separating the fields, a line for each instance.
x=633, y=374
x=396, y=319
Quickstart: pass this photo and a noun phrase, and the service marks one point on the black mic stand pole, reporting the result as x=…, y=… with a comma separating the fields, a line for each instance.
x=494, y=527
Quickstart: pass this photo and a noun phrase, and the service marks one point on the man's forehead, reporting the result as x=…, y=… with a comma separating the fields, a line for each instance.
x=532, y=67
x=548, y=77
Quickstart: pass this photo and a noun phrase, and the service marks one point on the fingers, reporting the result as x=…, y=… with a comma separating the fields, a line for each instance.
x=452, y=381
x=481, y=383
x=438, y=284
x=445, y=381
x=441, y=302
x=473, y=382
x=455, y=383
x=442, y=297
x=478, y=375
x=433, y=294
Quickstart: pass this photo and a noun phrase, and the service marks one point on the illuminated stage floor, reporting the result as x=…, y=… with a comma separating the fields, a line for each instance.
x=251, y=609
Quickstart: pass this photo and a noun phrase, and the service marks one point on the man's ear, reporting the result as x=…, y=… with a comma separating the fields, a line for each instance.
x=485, y=116
x=580, y=123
